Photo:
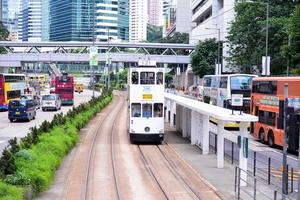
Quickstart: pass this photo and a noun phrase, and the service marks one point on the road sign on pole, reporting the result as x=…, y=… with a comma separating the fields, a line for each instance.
x=266, y=66
x=93, y=56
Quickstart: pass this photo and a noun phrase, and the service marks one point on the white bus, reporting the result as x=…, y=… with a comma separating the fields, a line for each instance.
x=217, y=90
x=146, y=103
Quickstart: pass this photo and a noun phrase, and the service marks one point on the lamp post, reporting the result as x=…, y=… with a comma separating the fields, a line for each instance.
x=92, y=74
x=219, y=71
x=267, y=32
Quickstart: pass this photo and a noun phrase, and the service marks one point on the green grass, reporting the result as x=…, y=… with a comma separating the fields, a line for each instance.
x=10, y=192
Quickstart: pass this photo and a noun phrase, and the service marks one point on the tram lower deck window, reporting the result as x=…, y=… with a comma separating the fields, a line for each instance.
x=147, y=110
x=135, y=110
x=147, y=78
x=158, y=110
x=159, y=78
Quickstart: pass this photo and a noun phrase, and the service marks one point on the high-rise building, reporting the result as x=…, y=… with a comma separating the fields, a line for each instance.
x=155, y=12
x=138, y=20
x=123, y=20
x=70, y=20
x=45, y=20
x=112, y=20
x=9, y=17
x=178, y=17
x=1, y=10
x=211, y=18
x=30, y=20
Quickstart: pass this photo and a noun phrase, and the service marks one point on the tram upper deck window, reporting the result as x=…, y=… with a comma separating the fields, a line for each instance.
x=159, y=78
x=147, y=110
x=147, y=78
x=158, y=110
x=135, y=110
x=135, y=78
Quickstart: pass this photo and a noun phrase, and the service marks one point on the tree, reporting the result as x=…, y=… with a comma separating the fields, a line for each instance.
x=154, y=33
x=294, y=29
x=204, y=58
x=180, y=38
x=247, y=35
x=3, y=36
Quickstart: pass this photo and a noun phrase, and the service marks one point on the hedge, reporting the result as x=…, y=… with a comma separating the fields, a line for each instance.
x=31, y=164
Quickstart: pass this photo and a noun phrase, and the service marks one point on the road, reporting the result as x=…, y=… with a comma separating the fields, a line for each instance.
x=10, y=130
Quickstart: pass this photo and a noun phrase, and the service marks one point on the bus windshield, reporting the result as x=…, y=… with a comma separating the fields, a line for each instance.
x=240, y=82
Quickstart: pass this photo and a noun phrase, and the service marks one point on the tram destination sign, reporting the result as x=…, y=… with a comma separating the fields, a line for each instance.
x=147, y=96
x=269, y=100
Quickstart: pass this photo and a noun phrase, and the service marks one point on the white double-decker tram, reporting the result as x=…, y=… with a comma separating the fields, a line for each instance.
x=146, y=102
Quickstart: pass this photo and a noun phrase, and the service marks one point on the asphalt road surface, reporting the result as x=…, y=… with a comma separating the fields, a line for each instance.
x=10, y=130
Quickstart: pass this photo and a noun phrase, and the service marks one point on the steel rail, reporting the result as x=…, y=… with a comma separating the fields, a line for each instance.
x=91, y=151
x=175, y=173
x=150, y=171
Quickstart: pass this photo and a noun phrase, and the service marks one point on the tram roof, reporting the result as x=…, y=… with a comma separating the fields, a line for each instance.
x=211, y=110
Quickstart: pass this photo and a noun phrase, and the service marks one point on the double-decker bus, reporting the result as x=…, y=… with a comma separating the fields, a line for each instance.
x=267, y=102
x=217, y=90
x=64, y=87
x=12, y=86
x=146, y=103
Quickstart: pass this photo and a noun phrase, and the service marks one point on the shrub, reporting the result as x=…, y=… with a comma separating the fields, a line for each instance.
x=10, y=192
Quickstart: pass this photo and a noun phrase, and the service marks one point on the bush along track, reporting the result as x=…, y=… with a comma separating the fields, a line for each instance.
x=30, y=165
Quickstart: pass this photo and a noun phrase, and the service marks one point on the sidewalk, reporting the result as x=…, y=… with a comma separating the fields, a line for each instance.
x=222, y=180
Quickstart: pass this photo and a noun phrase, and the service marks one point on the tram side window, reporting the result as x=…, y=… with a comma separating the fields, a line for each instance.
x=135, y=78
x=148, y=78
x=135, y=110
x=147, y=110
x=159, y=78
x=207, y=82
x=158, y=110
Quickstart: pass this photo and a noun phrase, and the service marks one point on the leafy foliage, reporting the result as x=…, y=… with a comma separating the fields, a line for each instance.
x=247, y=35
x=154, y=33
x=3, y=36
x=294, y=30
x=204, y=57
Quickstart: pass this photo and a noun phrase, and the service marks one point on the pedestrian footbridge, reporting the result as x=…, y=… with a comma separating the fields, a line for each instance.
x=191, y=118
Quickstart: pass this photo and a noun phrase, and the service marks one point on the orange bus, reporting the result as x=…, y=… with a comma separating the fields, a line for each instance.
x=267, y=102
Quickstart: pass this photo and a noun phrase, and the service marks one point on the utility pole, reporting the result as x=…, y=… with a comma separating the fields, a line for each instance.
x=267, y=41
x=285, y=143
x=289, y=59
x=92, y=74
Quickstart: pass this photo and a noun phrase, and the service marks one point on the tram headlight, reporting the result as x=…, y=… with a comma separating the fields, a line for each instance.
x=147, y=129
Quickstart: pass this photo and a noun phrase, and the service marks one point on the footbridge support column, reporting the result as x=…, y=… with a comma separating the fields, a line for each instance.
x=220, y=144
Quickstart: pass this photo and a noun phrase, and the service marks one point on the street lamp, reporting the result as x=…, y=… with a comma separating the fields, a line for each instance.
x=219, y=46
x=92, y=74
x=267, y=31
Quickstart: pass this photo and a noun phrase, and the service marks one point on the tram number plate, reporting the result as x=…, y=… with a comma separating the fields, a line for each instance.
x=147, y=96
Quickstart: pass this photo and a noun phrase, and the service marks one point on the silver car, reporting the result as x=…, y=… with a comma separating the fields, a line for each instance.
x=51, y=102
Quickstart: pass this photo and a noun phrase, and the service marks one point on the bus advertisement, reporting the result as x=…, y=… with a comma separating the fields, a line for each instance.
x=12, y=86
x=218, y=89
x=267, y=102
x=64, y=86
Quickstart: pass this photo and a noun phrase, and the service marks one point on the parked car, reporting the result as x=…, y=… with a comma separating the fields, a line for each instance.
x=23, y=109
x=51, y=102
x=35, y=98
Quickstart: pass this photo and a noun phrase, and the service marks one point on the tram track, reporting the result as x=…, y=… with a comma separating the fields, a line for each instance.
x=186, y=189
x=91, y=154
